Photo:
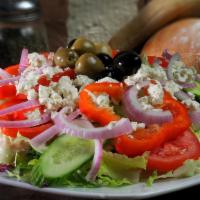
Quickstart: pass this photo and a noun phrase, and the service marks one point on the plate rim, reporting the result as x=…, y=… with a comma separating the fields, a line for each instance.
x=90, y=193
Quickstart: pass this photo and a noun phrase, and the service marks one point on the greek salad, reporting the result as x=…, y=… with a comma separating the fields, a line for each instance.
x=91, y=116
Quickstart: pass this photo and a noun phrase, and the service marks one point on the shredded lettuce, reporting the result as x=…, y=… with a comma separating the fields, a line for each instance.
x=195, y=91
x=188, y=169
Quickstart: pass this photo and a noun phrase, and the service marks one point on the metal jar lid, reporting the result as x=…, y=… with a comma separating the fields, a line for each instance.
x=19, y=10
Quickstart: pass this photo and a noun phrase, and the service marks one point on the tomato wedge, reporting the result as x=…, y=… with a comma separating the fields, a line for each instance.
x=26, y=132
x=173, y=153
x=69, y=72
x=153, y=136
x=163, y=62
x=100, y=114
x=13, y=69
x=7, y=91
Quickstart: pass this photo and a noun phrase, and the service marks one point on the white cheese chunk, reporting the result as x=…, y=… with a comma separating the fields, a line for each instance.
x=36, y=60
x=107, y=79
x=191, y=104
x=156, y=93
x=172, y=87
x=82, y=81
x=51, y=70
x=35, y=114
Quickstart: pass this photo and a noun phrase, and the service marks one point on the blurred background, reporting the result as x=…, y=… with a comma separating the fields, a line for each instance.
x=42, y=25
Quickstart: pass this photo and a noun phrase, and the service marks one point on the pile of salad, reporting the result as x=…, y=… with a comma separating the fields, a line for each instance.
x=91, y=116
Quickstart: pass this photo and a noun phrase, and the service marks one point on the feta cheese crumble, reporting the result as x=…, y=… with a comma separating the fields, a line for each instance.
x=172, y=87
x=51, y=70
x=191, y=104
x=35, y=114
x=107, y=79
x=59, y=95
x=156, y=93
x=82, y=81
x=182, y=73
x=136, y=125
x=36, y=60
x=146, y=73
x=27, y=81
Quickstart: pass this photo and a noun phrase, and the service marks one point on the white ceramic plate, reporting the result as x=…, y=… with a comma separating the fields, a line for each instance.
x=137, y=191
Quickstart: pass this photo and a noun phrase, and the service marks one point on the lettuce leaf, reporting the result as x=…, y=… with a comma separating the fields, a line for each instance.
x=120, y=167
x=195, y=91
x=188, y=169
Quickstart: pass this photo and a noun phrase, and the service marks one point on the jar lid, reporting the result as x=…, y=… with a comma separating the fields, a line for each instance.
x=19, y=10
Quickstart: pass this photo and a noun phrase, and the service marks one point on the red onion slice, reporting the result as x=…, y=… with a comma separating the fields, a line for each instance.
x=188, y=85
x=23, y=60
x=4, y=74
x=135, y=112
x=44, y=136
x=98, y=153
x=123, y=126
x=182, y=95
x=25, y=123
x=9, y=80
x=195, y=118
x=166, y=54
x=174, y=58
x=48, y=134
x=20, y=106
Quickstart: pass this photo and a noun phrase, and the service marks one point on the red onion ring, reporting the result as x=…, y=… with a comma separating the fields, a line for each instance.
x=45, y=136
x=135, y=112
x=166, y=54
x=9, y=80
x=182, y=95
x=25, y=123
x=52, y=131
x=4, y=74
x=98, y=153
x=20, y=106
x=123, y=126
x=195, y=118
x=188, y=85
x=23, y=60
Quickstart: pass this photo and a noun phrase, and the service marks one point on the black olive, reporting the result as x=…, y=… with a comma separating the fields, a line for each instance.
x=71, y=42
x=127, y=62
x=105, y=59
x=110, y=72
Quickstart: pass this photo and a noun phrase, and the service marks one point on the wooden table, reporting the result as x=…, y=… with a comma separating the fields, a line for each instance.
x=54, y=23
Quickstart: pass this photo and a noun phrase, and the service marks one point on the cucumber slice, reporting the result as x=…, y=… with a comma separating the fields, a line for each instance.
x=65, y=155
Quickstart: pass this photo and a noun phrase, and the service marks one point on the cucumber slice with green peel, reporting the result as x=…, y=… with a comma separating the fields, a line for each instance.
x=65, y=155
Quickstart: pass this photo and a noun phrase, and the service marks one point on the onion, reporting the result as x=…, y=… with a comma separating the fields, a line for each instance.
x=175, y=57
x=135, y=112
x=25, y=123
x=197, y=78
x=182, y=95
x=195, y=118
x=4, y=74
x=123, y=126
x=9, y=80
x=20, y=106
x=188, y=85
x=98, y=153
x=45, y=136
x=53, y=131
x=23, y=60
x=166, y=54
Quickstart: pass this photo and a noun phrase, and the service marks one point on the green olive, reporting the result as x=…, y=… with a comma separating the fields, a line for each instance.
x=65, y=57
x=89, y=64
x=103, y=48
x=82, y=45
